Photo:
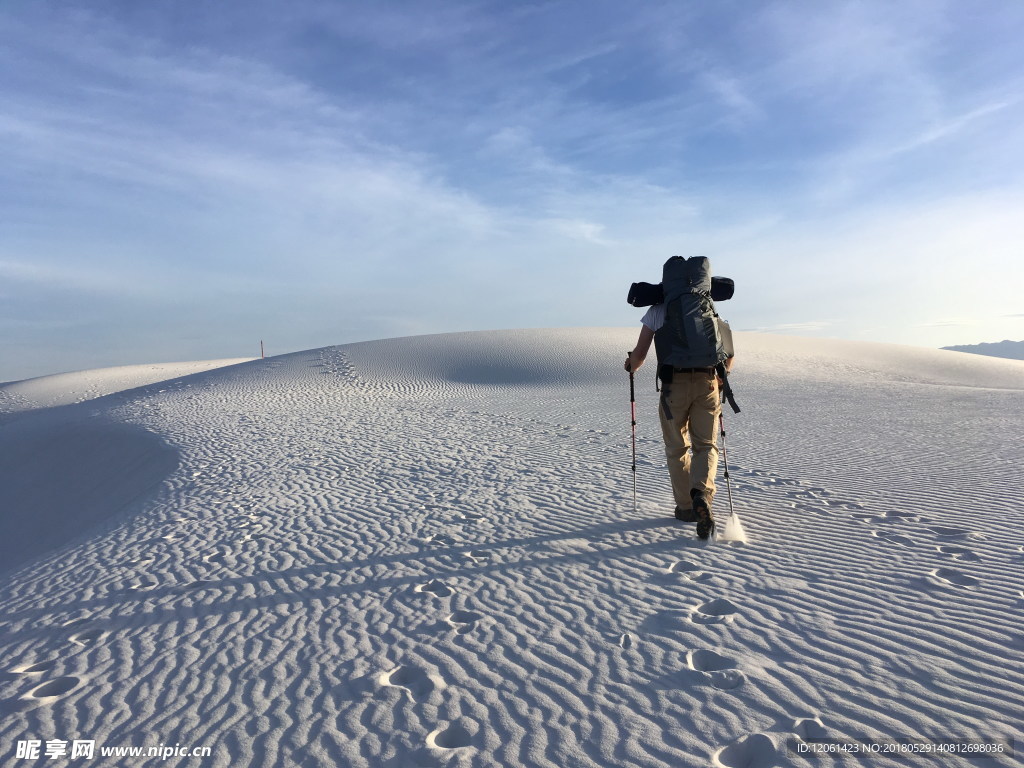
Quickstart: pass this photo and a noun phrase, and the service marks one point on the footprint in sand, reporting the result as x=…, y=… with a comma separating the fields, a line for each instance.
x=819, y=495
x=720, y=671
x=464, y=622
x=959, y=553
x=904, y=516
x=955, y=578
x=478, y=556
x=215, y=558
x=144, y=584
x=720, y=611
x=36, y=668
x=893, y=538
x=892, y=517
x=253, y=529
x=417, y=683
x=809, y=728
x=53, y=689
x=88, y=637
x=456, y=735
x=944, y=532
x=850, y=505
x=869, y=518
x=441, y=539
x=436, y=588
x=755, y=751
x=689, y=571
x=625, y=641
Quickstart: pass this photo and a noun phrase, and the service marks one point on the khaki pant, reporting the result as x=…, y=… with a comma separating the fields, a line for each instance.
x=694, y=404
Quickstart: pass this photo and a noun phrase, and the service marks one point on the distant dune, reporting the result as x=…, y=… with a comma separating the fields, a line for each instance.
x=76, y=387
x=1012, y=350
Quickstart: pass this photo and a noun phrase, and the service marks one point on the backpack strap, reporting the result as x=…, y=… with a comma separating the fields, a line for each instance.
x=665, y=374
x=726, y=389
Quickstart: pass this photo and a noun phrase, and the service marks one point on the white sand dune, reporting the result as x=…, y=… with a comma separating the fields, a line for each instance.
x=423, y=551
x=76, y=387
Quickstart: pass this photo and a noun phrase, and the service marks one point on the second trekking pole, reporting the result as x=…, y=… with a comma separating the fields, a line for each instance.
x=632, y=410
x=725, y=457
x=733, y=527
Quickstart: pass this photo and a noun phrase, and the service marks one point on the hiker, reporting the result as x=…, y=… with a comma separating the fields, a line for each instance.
x=688, y=411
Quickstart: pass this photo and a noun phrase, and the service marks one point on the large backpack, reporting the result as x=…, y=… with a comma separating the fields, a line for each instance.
x=690, y=336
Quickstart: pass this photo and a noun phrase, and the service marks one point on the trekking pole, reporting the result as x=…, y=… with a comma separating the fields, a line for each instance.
x=632, y=409
x=725, y=457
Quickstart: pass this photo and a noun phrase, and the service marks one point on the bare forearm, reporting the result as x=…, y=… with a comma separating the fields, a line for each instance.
x=639, y=354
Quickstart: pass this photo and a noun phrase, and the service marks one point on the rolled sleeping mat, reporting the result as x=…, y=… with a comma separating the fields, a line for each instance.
x=647, y=294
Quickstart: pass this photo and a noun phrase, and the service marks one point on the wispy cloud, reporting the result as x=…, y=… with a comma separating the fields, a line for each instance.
x=947, y=323
x=812, y=326
x=350, y=169
x=741, y=106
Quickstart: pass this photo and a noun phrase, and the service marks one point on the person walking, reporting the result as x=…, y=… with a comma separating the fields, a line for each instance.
x=688, y=411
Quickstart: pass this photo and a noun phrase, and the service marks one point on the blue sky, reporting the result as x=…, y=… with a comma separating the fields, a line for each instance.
x=179, y=180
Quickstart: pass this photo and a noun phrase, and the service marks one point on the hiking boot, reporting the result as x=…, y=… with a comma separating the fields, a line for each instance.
x=686, y=515
x=705, y=520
